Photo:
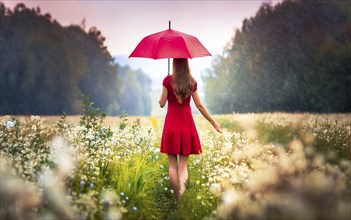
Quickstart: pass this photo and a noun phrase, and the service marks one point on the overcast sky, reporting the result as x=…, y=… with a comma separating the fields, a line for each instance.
x=125, y=23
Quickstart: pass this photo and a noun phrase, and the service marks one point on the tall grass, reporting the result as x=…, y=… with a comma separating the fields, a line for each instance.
x=264, y=166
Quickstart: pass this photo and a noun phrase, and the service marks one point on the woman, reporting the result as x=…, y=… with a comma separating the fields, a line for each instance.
x=180, y=137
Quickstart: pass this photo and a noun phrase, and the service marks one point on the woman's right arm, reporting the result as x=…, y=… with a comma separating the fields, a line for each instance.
x=204, y=111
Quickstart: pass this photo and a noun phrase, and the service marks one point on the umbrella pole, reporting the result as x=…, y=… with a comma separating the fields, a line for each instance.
x=168, y=65
x=169, y=62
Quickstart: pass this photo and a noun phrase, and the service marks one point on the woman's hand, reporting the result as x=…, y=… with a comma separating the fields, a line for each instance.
x=217, y=127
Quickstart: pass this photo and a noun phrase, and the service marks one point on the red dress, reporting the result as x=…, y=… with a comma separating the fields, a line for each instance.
x=179, y=134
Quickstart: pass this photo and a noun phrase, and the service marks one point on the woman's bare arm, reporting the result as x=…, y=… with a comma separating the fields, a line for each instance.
x=204, y=111
x=163, y=98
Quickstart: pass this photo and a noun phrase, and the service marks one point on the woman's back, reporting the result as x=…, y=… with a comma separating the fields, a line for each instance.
x=179, y=133
x=171, y=98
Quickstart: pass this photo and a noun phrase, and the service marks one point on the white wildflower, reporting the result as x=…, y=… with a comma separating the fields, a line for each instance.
x=10, y=124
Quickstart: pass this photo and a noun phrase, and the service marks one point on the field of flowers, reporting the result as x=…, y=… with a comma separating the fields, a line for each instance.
x=263, y=166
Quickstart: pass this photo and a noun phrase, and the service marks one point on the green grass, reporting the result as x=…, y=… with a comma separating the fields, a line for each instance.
x=276, y=134
x=123, y=173
x=329, y=139
x=230, y=124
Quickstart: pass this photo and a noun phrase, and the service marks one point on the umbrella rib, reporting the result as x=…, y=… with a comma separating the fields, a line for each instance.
x=187, y=48
x=157, y=54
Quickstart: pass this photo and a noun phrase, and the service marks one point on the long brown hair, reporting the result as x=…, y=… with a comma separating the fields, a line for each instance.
x=182, y=80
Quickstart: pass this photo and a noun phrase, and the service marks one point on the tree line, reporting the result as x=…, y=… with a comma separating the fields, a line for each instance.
x=294, y=56
x=46, y=68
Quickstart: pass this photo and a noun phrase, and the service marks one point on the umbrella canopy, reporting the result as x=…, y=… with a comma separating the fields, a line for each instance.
x=169, y=44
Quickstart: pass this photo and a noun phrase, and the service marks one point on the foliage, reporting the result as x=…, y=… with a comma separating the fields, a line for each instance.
x=91, y=171
x=329, y=137
x=290, y=57
x=45, y=67
x=240, y=174
x=27, y=144
x=135, y=91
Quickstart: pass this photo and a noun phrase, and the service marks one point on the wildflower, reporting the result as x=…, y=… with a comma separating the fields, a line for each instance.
x=115, y=213
x=10, y=124
x=122, y=193
x=62, y=155
x=165, y=188
x=91, y=186
x=134, y=208
x=215, y=189
x=262, y=178
x=82, y=183
x=230, y=197
x=172, y=191
x=90, y=137
x=127, y=197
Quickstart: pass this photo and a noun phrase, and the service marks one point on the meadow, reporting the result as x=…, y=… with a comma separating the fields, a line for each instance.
x=263, y=166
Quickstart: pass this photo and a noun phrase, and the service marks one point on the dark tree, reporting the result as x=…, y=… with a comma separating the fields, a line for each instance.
x=290, y=57
x=45, y=68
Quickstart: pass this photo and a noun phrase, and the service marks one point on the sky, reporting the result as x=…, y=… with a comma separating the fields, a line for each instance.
x=125, y=23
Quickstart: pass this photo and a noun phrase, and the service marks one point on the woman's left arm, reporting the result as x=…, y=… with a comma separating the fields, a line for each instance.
x=163, y=98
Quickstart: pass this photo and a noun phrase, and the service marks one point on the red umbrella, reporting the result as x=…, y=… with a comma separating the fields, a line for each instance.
x=169, y=44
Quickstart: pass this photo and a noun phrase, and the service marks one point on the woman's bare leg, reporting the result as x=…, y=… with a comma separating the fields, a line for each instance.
x=173, y=174
x=182, y=173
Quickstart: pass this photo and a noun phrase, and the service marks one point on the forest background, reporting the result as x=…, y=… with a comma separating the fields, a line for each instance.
x=293, y=57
